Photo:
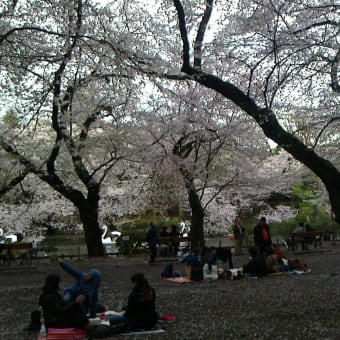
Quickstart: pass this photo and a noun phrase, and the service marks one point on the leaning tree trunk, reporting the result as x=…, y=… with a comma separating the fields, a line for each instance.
x=265, y=118
x=268, y=122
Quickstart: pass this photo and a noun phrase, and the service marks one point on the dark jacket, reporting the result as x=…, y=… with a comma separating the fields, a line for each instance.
x=191, y=260
x=238, y=234
x=258, y=237
x=141, y=312
x=152, y=237
x=58, y=314
x=256, y=266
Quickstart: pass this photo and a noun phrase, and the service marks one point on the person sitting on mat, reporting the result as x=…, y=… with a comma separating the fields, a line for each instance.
x=141, y=309
x=58, y=313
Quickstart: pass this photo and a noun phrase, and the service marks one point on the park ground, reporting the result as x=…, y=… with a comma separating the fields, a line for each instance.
x=274, y=307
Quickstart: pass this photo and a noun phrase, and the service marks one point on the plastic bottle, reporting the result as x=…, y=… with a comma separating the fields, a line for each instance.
x=42, y=333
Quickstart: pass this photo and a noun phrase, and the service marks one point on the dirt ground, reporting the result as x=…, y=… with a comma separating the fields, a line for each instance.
x=274, y=307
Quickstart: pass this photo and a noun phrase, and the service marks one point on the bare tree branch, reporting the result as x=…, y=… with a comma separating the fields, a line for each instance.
x=13, y=182
x=184, y=35
x=200, y=35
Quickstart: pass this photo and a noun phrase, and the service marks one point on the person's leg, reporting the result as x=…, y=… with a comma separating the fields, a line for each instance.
x=237, y=246
x=75, y=316
x=69, y=297
x=153, y=253
x=117, y=319
x=230, y=260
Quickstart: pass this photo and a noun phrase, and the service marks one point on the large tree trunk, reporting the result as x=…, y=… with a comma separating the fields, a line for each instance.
x=197, y=220
x=89, y=218
x=88, y=212
x=197, y=211
x=324, y=169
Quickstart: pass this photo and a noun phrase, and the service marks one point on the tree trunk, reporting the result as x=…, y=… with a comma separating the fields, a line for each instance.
x=93, y=235
x=197, y=220
x=324, y=169
x=197, y=211
x=88, y=213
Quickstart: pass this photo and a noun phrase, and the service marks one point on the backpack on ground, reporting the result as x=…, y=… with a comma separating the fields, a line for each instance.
x=167, y=271
x=196, y=272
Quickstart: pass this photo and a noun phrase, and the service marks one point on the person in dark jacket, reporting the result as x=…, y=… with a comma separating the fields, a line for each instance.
x=141, y=309
x=152, y=239
x=256, y=265
x=175, y=243
x=217, y=256
x=87, y=283
x=262, y=237
x=238, y=231
x=58, y=313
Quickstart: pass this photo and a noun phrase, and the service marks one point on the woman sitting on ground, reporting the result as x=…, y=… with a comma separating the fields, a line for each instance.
x=279, y=254
x=141, y=309
x=272, y=261
x=57, y=313
x=256, y=265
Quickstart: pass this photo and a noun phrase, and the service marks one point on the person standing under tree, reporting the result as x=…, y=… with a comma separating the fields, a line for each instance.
x=262, y=237
x=152, y=239
x=238, y=231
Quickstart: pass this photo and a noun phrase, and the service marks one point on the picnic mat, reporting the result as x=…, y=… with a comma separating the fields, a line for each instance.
x=151, y=331
x=180, y=279
x=104, y=321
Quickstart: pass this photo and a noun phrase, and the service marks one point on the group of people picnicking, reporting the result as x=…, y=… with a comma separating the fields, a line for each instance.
x=265, y=257
x=79, y=303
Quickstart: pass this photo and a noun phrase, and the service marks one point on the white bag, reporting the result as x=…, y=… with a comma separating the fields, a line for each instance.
x=210, y=274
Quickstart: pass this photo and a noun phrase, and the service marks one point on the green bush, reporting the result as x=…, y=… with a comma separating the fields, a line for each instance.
x=321, y=222
x=55, y=240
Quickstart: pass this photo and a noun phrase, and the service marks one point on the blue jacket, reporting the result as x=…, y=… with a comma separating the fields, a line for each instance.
x=191, y=260
x=88, y=288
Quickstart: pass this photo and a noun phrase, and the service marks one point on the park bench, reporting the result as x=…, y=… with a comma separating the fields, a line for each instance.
x=183, y=242
x=24, y=249
x=306, y=238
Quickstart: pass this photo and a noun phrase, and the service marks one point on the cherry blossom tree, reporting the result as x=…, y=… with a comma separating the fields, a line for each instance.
x=78, y=78
x=277, y=61
x=198, y=139
x=297, y=44
x=57, y=76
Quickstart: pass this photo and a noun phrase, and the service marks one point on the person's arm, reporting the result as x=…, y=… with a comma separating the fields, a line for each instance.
x=270, y=236
x=94, y=296
x=256, y=236
x=69, y=269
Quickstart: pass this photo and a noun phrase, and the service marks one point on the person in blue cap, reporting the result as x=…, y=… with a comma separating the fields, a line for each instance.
x=87, y=284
